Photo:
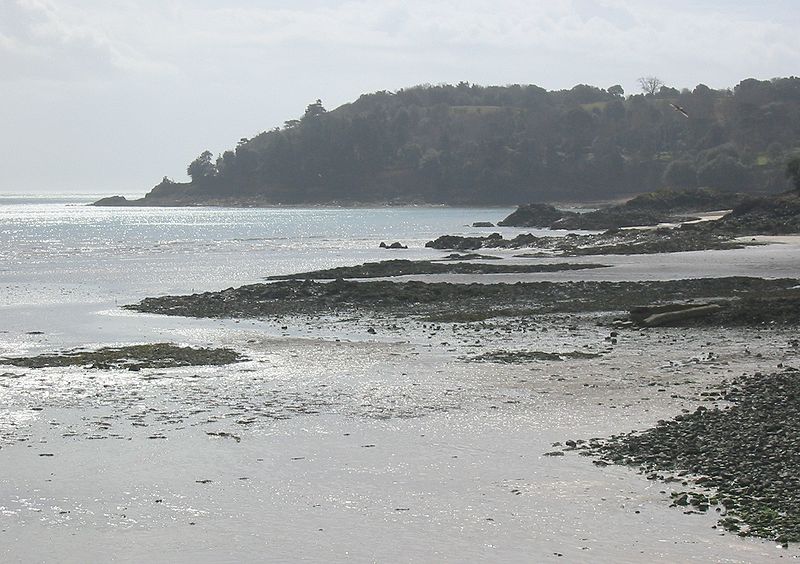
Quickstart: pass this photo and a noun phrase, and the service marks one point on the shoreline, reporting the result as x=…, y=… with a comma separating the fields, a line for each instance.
x=361, y=430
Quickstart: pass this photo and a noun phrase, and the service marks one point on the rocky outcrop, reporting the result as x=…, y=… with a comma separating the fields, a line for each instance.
x=775, y=215
x=399, y=267
x=528, y=298
x=114, y=201
x=535, y=215
x=647, y=209
x=133, y=357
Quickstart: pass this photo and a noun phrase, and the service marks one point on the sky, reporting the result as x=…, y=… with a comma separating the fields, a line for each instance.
x=109, y=96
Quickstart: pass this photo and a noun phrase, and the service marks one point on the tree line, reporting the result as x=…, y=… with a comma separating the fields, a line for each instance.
x=471, y=144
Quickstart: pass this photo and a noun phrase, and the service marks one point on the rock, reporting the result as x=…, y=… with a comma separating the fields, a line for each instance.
x=747, y=452
x=483, y=224
x=113, y=201
x=667, y=314
x=397, y=245
x=132, y=357
x=534, y=215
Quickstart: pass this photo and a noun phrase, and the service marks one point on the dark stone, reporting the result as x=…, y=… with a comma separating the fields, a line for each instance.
x=113, y=201
x=534, y=215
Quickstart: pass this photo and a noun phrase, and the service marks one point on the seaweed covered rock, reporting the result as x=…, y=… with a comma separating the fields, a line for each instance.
x=749, y=453
x=775, y=215
x=132, y=357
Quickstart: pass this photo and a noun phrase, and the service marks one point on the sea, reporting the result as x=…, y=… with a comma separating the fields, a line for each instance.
x=64, y=263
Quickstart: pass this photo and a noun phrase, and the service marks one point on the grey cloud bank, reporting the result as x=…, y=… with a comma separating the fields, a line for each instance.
x=109, y=97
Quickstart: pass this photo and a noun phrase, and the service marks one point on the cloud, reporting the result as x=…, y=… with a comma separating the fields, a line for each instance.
x=39, y=41
x=219, y=41
x=573, y=35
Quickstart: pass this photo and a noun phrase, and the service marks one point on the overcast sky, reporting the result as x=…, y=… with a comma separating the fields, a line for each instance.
x=111, y=95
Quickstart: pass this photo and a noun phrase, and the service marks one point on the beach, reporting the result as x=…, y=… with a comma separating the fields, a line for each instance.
x=359, y=437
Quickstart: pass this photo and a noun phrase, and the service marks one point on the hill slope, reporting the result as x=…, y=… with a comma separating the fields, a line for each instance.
x=468, y=144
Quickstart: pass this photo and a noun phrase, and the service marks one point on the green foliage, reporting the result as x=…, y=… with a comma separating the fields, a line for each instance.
x=680, y=174
x=470, y=144
x=793, y=172
x=202, y=167
x=724, y=172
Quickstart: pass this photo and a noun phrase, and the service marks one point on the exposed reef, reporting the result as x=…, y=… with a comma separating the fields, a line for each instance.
x=400, y=267
x=133, y=357
x=484, y=300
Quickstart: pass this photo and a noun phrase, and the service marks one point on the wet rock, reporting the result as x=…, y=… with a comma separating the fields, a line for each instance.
x=746, y=455
x=401, y=267
x=395, y=245
x=612, y=242
x=520, y=357
x=672, y=314
x=759, y=301
x=133, y=357
x=534, y=215
x=113, y=201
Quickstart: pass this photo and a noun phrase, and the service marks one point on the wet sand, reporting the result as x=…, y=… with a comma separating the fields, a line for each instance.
x=384, y=446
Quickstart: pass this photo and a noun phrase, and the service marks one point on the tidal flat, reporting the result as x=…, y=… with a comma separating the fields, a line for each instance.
x=387, y=436
x=421, y=425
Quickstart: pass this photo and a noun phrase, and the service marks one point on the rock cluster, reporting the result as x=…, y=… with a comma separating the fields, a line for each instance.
x=613, y=242
x=748, y=454
x=522, y=357
x=775, y=215
x=744, y=309
x=400, y=267
x=651, y=208
x=534, y=215
x=423, y=299
x=134, y=357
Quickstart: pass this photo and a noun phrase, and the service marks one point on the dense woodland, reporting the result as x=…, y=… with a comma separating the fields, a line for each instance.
x=470, y=144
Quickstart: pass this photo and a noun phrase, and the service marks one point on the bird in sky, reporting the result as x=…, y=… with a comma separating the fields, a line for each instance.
x=679, y=109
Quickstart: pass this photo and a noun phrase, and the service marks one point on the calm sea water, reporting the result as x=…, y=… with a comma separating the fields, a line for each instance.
x=121, y=252
x=65, y=267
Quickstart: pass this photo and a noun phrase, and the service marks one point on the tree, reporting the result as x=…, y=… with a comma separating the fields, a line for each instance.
x=724, y=172
x=680, y=174
x=793, y=172
x=616, y=90
x=314, y=110
x=668, y=92
x=202, y=167
x=650, y=84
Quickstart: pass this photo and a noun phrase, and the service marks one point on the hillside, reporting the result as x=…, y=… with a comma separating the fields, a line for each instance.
x=474, y=145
